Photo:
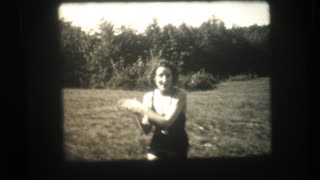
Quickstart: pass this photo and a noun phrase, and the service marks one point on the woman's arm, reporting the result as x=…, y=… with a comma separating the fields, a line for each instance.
x=177, y=105
x=147, y=102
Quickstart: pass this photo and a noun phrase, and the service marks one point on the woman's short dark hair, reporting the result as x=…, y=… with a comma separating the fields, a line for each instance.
x=166, y=64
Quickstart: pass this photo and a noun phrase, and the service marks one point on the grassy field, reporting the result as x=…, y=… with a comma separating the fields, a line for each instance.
x=233, y=120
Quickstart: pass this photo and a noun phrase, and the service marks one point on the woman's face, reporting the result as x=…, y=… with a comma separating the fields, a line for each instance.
x=163, y=78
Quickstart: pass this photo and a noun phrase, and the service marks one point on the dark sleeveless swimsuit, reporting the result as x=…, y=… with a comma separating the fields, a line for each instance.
x=171, y=142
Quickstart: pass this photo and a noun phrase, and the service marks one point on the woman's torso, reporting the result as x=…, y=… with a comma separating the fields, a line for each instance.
x=173, y=136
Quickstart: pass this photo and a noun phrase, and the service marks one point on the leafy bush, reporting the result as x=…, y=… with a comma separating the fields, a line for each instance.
x=184, y=81
x=121, y=82
x=133, y=76
x=200, y=80
x=143, y=84
x=136, y=76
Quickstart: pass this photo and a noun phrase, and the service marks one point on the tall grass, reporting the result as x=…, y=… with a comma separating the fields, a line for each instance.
x=231, y=120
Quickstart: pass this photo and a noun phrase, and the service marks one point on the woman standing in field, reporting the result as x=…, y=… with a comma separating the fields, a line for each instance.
x=164, y=108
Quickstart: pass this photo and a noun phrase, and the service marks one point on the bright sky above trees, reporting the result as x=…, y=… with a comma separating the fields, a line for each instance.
x=139, y=15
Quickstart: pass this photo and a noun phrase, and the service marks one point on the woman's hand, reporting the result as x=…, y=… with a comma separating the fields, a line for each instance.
x=132, y=105
x=145, y=120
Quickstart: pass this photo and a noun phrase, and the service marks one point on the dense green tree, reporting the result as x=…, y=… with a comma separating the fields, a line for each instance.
x=76, y=48
x=154, y=39
x=113, y=56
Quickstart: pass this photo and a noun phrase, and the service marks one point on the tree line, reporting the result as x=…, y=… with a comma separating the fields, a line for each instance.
x=120, y=57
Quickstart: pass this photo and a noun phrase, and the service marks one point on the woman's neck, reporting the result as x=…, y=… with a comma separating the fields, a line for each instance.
x=167, y=92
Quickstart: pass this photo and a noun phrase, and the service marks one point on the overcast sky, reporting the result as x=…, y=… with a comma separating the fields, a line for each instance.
x=139, y=15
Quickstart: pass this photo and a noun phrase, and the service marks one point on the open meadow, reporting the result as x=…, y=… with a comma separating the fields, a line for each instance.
x=232, y=120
